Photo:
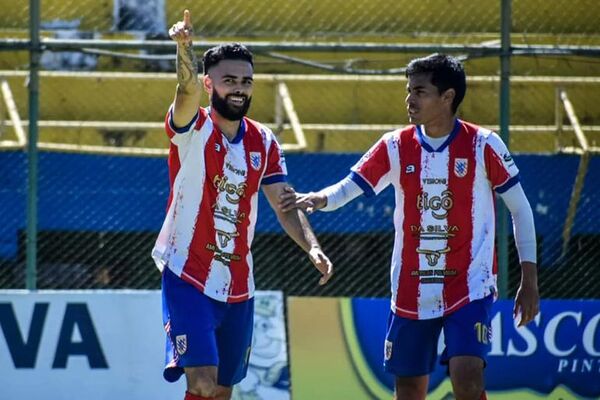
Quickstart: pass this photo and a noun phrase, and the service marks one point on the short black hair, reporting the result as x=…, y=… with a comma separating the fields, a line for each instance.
x=447, y=72
x=226, y=51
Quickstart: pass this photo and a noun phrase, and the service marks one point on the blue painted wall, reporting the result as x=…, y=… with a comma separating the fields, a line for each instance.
x=128, y=194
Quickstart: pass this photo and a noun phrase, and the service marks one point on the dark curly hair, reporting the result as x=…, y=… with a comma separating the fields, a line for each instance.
x=446, y=73
x=226, y=51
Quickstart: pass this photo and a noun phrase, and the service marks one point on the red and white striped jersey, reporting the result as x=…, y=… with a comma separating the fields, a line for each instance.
x=444, y=219
x=212, y=209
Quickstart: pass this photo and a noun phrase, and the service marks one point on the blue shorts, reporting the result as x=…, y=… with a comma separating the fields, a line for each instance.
x=411, y=345
x=205, y=332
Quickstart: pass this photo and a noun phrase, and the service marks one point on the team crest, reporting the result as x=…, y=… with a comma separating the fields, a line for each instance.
x=388, y=350
x=460, y=167
x=255, y=160
x=181, y=344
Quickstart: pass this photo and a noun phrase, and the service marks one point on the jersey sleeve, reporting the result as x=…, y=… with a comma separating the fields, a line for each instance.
x=499, y=164
x=275, y=169
x=373, y=171
x=176, y=134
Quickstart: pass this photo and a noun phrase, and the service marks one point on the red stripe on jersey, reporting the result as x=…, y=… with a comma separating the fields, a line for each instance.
x=200, y=257
x=461, y=180
x=375, y=163
x=494, y=167
x=240, y=270
x=410, y=181
x=494, y=257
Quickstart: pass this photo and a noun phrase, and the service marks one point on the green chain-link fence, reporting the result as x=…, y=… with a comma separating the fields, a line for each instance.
x=102, y=174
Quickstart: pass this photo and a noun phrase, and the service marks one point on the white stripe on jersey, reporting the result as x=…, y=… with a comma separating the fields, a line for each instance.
x=479, y=280
x=218, y=280
x=173, y=243
x=433, y=248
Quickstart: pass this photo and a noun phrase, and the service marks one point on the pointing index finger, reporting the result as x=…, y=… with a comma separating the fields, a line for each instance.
x=186, y=18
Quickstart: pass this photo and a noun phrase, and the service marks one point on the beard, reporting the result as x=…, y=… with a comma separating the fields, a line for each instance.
x=227, y=110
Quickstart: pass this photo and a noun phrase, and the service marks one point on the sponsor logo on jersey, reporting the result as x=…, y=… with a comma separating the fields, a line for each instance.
x=233, y=192
x=255, y=160
x=410, y=169
x=508, y=160
x=181, y=344
x=461, y=167
x=439, y=205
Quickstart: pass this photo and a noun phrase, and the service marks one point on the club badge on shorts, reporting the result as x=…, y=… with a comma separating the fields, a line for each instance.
x=388, y=350
x=255, y=160
x=460, y=167
x=181, y=344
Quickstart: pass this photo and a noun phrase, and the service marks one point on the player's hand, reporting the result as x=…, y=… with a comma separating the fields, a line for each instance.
x=308, y=202
x=527, y=303
x=182, y=31
x=322, y=263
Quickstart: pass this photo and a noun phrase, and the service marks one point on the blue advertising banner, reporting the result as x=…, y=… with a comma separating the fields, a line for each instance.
x=559, y=352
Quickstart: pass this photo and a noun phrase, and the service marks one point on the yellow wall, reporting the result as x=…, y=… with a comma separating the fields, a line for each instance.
x=314, y=17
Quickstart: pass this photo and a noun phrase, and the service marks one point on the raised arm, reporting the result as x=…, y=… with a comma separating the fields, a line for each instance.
x=189, y=89
x=298, y=228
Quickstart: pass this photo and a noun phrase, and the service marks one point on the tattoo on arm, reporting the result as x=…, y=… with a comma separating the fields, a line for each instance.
x=187, y=66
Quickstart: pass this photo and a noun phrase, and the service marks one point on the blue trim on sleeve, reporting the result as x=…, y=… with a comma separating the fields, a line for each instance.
x=274, y=179
x=362, y=183
x=508, y=184
x=183, y=129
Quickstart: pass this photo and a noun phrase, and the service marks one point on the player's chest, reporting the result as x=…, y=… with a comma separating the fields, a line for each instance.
x=234, y=168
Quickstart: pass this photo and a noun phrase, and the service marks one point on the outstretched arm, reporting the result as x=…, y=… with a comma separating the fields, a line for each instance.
x=328, y=199
x=189, y=91
x=298, y=228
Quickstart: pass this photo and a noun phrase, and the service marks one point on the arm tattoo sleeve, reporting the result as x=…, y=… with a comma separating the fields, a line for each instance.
x=187, y=66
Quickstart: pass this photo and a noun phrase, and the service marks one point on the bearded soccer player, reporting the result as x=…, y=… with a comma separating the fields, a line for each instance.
x=445, y=173
x=218, y=160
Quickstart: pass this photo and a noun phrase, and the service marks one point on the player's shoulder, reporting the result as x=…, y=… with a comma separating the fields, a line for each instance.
x=398, y=134
x=259, y=131
x=478, y=130
x=484, y=135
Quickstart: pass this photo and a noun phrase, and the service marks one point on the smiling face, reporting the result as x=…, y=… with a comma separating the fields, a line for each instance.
x=424, y=102
x=229, y=85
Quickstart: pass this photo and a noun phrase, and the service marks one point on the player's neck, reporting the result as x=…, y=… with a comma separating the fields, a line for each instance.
x=440, y=127
x=228, y=128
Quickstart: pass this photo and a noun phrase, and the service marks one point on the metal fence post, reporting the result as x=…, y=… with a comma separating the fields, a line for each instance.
x=32, y=153
x=505, y=28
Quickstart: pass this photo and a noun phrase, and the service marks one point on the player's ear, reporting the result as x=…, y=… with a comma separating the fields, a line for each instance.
x=208, y=83
x=449, y=95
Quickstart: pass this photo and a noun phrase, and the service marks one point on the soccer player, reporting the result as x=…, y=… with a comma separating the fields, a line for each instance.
x=218, y=160
x=445, y=172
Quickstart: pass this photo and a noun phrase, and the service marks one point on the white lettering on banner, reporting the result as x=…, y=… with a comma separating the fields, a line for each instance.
x=528, y=337
x=549, y=336
x=550, y=333
x=576, y=365
x=589, y=333
x=496, y=349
